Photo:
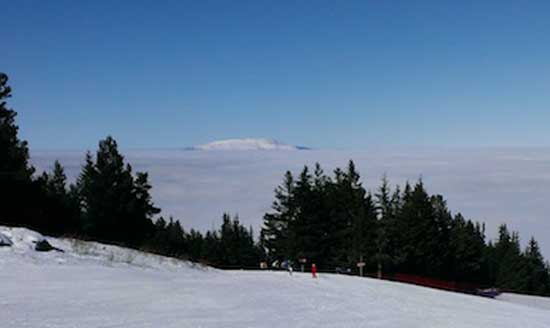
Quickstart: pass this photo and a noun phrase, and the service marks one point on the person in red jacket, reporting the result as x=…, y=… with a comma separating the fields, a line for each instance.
x=314, y=270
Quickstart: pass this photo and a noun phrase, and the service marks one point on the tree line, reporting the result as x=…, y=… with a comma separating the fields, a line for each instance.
x=332, y=221
x=335, y=222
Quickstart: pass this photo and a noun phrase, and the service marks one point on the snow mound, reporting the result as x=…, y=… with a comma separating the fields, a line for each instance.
x=76, y=252
x=246, y=144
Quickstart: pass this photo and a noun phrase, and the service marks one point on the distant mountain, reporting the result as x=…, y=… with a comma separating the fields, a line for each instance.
x=247, y=144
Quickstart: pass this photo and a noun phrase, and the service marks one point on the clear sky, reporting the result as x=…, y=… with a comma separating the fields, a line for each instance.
x=326, y=74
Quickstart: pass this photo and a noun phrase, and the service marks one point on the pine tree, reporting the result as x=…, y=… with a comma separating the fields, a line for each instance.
x=340, y=221
x=21, y=199
x=538, y=279
x=276, y=234
x=237, y=244
x=466, y=248
x=440, y=253
x=54, y=184
x=195, y=243
x=14, y=166
x=362, y=214
x=320, y=222
x=510, y=266
x=175, y=239
x=305, y=231
x=386, y=226
x=61, y=210
x=115, y=205
x=212, y=251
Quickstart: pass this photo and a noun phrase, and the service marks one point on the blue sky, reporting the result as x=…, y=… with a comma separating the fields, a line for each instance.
x=326, y=74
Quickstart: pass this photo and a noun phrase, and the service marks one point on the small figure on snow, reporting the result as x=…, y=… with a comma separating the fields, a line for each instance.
x=287, y=265
x=313, y=270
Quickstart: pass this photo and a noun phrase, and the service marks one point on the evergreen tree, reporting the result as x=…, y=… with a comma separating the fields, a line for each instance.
x=537, y=275
x=195, y=242
x=466, y=247
x=305, y=230
x=14, y=166
x=21, y=199
x=440, y=252
x=60, y=209
x=237, y=244
x=363, y=218
x=321, y=228
x=418, y=218
x=510, y=265
x=115, y=206
x=212, y=251
x=386, y=212
x=176, y=243
x=276, y=231
x=56, y=183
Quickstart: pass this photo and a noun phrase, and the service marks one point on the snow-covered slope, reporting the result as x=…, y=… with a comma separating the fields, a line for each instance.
x=528, y=300
x=94, y=285
x=77, y=252
x=246, y=144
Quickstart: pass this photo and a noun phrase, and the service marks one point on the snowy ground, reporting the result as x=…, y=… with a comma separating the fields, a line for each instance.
x=531, y=301
x=93, y=285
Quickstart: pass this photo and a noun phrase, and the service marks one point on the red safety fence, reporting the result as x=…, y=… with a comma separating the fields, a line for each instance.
x=431, y=282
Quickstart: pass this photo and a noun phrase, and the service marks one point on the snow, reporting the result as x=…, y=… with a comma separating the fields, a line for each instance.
x=527, y=300
x=245, y=144
x=95, y=285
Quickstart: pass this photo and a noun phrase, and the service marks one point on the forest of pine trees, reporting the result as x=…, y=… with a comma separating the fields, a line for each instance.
x=332, y=221
x=335, y=222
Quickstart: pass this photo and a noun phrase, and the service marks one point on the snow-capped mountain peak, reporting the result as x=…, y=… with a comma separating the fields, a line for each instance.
x=247, y=144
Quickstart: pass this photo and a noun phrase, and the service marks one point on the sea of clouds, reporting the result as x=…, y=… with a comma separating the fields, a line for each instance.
x=492, y=185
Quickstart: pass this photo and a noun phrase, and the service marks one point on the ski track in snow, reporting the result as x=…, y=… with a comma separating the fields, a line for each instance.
x=95, y=285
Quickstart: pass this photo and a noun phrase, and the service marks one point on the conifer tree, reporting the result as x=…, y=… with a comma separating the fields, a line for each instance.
x=20, y=198
x=276, y=234
x=387, y=230
x=510, y=269
x=115, y=205
x=14, y=166
x=466, y=248
x=538, y=278
x=61, y=210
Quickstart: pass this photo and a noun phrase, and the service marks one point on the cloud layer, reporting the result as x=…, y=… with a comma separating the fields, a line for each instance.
x=492, y=185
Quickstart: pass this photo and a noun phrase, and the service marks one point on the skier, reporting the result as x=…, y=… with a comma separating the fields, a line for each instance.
x=314, y=270
x=289, y=268
x=287, y=265
x=284, y=265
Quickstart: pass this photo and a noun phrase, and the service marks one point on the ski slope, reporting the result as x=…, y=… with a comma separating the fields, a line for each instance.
x=95, y=285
